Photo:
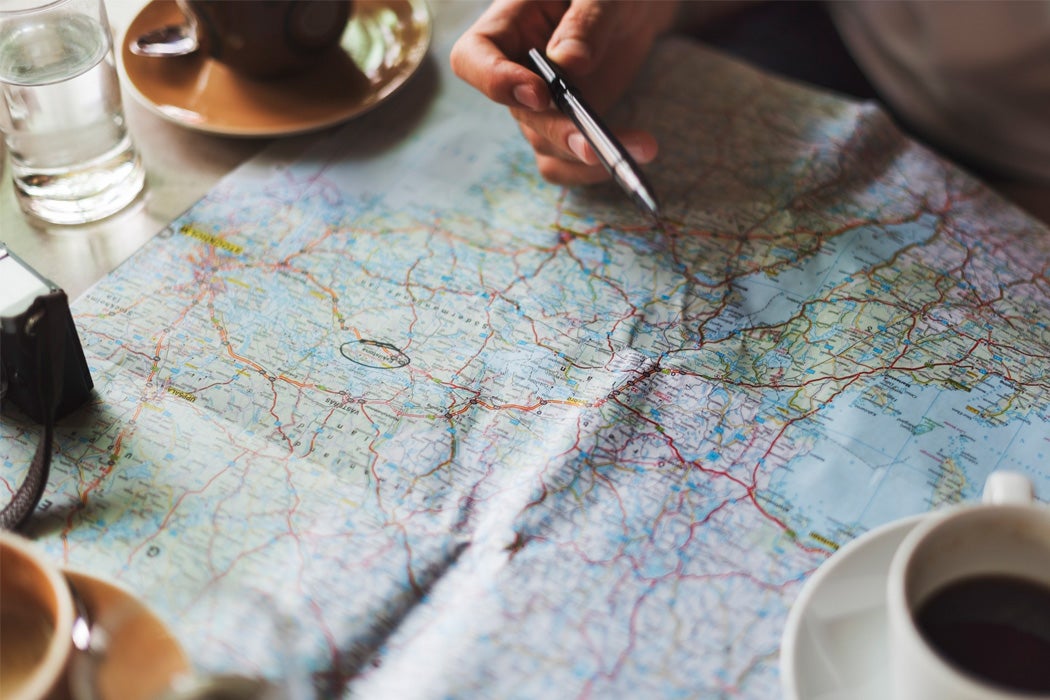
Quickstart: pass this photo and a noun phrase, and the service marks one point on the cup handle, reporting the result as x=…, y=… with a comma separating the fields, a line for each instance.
x=1008, y=487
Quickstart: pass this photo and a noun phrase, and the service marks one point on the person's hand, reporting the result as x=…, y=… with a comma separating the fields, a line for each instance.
x=600, y=45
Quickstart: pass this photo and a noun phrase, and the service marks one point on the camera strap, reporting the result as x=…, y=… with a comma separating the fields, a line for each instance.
x=38, y=333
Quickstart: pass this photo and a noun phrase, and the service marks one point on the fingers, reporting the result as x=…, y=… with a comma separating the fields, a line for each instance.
x=593, y=33
x=487, y=55
x=569, y=172
x=563, y=155
x=479, y=62
x=582, y=37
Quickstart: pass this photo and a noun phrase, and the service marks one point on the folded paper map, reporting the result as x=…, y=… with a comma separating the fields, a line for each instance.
x=396, y=418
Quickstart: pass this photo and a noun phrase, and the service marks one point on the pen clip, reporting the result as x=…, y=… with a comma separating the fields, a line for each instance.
x=557, y=85
x=543, y=66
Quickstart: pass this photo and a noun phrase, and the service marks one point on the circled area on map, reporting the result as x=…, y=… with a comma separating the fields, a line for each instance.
x=374, y=353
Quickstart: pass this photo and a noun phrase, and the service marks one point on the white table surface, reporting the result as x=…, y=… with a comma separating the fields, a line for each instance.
x=181, y=166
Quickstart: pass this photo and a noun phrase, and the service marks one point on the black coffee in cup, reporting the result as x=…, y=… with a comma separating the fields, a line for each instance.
x=993, y=627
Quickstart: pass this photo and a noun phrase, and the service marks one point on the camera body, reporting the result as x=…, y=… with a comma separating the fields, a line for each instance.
x=28, y=369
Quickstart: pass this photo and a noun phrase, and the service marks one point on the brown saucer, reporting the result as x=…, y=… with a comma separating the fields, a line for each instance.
x=141, y=656
x=385, y=42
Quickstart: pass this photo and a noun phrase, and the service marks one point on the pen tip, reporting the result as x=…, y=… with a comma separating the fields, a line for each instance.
x=647, y=203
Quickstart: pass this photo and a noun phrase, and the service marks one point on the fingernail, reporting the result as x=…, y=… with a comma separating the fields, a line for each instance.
x=639, y=153
x=527, y=97
x=578, y=145
x=570, y=50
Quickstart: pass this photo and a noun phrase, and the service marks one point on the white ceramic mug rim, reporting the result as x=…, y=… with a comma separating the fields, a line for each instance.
x=46, y=674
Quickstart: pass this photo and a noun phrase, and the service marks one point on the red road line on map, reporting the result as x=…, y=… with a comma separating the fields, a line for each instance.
x=564, y=242
x=104, y=472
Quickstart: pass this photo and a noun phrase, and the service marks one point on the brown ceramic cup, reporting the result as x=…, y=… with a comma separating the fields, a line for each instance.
x=268, y=38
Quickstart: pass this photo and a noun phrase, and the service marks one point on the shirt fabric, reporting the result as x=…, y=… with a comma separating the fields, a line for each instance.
x=973, y=76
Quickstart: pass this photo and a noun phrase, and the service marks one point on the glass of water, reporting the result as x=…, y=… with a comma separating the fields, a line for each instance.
x=70, y=154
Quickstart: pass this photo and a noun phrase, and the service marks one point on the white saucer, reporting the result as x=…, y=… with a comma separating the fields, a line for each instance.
x=834, y=643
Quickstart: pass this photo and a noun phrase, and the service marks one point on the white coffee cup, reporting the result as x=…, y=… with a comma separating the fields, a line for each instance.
x=36, y=622
x=946, y=580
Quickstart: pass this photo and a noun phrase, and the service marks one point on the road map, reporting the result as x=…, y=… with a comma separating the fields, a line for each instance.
x=399, y=419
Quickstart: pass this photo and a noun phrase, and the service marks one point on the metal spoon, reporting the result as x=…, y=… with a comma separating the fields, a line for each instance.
x=171, y=40
x=89, y=643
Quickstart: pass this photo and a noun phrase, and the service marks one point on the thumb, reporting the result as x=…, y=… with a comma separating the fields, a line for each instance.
x=580, y=40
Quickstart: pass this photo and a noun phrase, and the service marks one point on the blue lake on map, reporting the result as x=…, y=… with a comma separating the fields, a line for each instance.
x=766, y=301
x=927, y=437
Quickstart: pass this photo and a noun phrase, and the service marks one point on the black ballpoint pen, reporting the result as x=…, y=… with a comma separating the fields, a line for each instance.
x=610, y=151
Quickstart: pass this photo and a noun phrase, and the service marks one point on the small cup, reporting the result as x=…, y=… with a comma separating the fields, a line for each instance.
x=266, y=39
x=36, y=622
x=968, y=600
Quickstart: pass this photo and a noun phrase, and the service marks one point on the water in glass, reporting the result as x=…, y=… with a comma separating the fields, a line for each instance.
x=71, y=157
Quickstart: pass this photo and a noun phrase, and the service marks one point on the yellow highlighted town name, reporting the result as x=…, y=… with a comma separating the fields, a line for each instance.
x=208, y=238
x=182, y=394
